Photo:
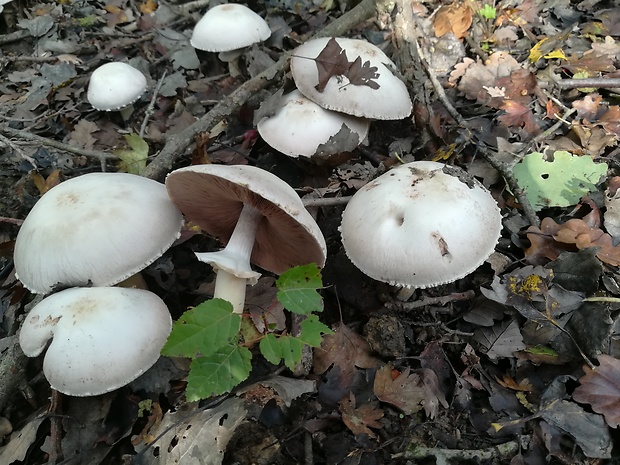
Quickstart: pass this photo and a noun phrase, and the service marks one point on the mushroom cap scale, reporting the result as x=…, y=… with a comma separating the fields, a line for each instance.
x=228, y=27
x=101, y=338
x=99, y=228
x=212, y=196
x=114, y=86
x=300, y=126
x=420, y=225
x=390, y=101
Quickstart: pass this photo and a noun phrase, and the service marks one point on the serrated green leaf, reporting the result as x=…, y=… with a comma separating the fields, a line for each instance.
x=133, y=159
x=298, y=289
x=203, y=330
x=218, y=373
x=558, y=183
x=488, y=12
x=287, y=347
x=275, y=348
x=312, y=330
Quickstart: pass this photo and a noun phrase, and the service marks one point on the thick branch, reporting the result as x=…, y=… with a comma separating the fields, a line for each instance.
x=176, y=144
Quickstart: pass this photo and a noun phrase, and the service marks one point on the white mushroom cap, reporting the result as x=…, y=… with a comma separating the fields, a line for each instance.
x=99, y=228
x=212, y=196
x=102, y=338
x=420, y=225
x=229, y=27
x=114, y=86
x=300, y=126
x=390, y=101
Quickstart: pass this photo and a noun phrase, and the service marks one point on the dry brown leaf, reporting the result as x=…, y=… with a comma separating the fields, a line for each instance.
x=518, y=115
x=360, y=419
x=478, y=75
x=410, y=391
x=455, y=18
x=588, y=107
x=81, y=136
x=600, y=387
x=345, y=349
x=45, y=184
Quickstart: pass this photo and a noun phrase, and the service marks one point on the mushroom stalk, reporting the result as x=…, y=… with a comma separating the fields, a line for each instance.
x=233, y=263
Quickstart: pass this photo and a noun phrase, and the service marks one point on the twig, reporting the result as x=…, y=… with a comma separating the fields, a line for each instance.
x=151, y=107
x=5, y=219
x=424, y=301
x=445, y=456
x=14, y=36
x=177, y=144
x=25, y=135
x=600, y=83
x=55, y=453
x=325, y=201
x=549, y=131
x=6, y=141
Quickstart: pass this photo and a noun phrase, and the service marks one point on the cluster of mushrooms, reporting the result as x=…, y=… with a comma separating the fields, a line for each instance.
x=419, y=225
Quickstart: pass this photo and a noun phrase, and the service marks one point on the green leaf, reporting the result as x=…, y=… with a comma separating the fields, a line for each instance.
x=203, y=330
x=218, y=373
x=560, y=182
x=488, y=12
x=312, y=330
x=275, y=348
x=133, y=159
x=298, y=289
x=287, y=347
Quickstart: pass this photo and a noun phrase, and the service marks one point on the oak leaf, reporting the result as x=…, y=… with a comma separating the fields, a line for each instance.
x=455, y=18
x=333, y=61
x=410, y=391
x=600, y=387
x=360, y=419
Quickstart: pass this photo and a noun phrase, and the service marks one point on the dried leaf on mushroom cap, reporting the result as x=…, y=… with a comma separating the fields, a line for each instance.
x=212, y=196
x=102, y=338
x=98, y=229
x=300, y=127
x=228, y=27
x=114, y=86
x=382, y=97
x=420, y=225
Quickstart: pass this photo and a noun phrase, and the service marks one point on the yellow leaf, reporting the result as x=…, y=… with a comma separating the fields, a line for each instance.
x=555, y=54
x=133, y=159
x=148, y=7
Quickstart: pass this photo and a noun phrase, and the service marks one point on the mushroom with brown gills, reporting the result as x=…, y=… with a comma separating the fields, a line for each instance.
x=258, y=216
x=420, y=225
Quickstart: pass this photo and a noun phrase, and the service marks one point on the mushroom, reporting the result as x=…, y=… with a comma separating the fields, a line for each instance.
x=116, y=86
x=99, y=228
x=258, y=216
x=420, y=225
x=300, y=127
x=390, y=100
x=228, y=29
x=102, y=338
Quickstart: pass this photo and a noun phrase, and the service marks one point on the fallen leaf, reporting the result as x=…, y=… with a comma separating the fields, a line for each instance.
x=455, y=18
x=360, y=419
x=133, y=159
x=410, y=391
x=501, y=340
x=600, y=387
x=333, y=61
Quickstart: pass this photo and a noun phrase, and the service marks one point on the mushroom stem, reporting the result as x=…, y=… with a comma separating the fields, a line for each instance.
x=233, y=263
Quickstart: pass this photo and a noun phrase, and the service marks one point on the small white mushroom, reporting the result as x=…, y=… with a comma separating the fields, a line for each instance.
x=115, y=86
x=420, y=225
x=229, y=27
x=101, y=338
x=99, y=228
x=390, y=100
x=300, y=127
x=258, y=216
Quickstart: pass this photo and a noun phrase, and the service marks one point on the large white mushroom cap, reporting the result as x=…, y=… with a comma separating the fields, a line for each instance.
x=420, y=225
x=228, y=27
x=390, y=101
x=114, y=86
x=102, y=338
x=99, y=228
x=300, y=126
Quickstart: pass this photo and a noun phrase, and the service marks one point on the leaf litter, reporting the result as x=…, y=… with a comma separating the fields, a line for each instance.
x=502, y=358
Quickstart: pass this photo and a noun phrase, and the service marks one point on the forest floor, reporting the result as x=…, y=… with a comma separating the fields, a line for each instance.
x=517, y=363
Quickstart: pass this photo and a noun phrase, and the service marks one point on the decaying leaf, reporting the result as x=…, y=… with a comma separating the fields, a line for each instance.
x=360, y=419
x=600, y=387
x=333, y=61
x=559, y=180
x=501, y=340
x=410, y=391
x=455, y=18
x=133, y=159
